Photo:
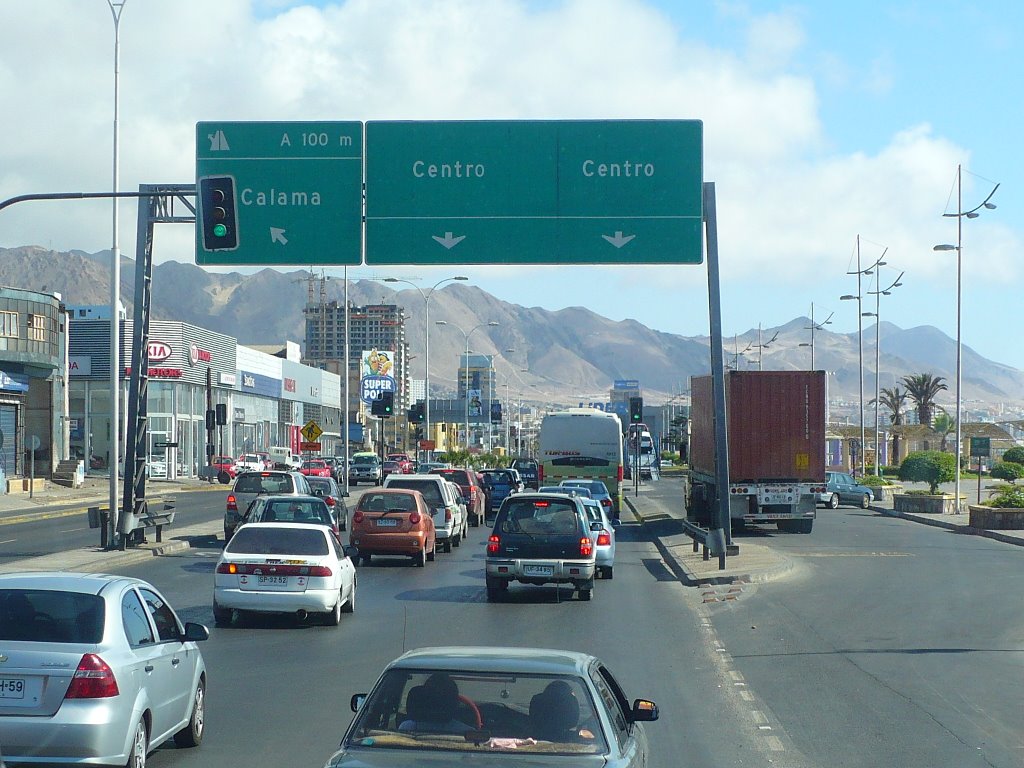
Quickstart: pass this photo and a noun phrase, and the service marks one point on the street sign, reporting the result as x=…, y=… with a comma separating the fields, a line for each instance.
x=311, y=431
x=309, y=447
x=980, y=446
x=534, y=192
x=294, y=191
x=427, y=445
x=165, y=445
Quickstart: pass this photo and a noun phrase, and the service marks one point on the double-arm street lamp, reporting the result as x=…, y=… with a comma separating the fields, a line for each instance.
x=762, y=345
x=467, y=334
x=425, y=295
x=960, y=215
x=878, y=293
x=815, y=327
x=860, y=340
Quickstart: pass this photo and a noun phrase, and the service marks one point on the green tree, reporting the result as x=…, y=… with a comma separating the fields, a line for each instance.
x=1008, y=470
x=1015, y=454
x=922, y=389
x=945, y=425
x=894, y=401
x=932, y=467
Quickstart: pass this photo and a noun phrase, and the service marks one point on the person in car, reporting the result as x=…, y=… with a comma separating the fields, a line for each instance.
x=555, y=714
x=431, y=707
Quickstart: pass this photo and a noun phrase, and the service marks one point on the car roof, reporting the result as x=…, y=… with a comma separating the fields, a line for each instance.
x=63, y=581
x=293, y=526
x=289, y=497
x=495, y=659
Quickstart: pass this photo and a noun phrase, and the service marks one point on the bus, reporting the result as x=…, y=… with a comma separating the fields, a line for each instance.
x=582, y=443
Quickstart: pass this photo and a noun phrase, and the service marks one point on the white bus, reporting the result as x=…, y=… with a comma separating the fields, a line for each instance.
x=582, y=443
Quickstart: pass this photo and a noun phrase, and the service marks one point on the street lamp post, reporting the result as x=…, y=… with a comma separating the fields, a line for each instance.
x=960, y=215
x=878, y=293
x=761, y=346
x=426, y=339
x=860, y=341
x=467, y=334
x=815, y=327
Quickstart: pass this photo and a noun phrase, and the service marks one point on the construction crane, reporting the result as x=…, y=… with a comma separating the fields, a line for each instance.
x=321, y=307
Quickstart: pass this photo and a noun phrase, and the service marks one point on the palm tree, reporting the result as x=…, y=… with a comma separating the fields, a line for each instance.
x=894, y=400
x=945, y=425
x=922, y=389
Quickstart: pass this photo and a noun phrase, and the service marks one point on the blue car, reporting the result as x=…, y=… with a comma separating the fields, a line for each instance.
x=500, y=483
x=842, y=488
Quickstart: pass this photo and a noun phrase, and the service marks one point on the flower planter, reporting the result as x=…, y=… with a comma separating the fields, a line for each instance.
x=997, y=518
x=886, y=492
x=939, y=504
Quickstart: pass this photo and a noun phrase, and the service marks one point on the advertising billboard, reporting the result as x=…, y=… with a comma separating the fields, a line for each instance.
x=376, y=374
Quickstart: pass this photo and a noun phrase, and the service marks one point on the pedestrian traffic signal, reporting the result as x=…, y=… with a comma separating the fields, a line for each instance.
x=383, y=405
x=636, y=410
x=219, y=216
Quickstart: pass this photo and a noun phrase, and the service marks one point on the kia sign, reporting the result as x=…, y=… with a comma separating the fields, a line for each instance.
x=159, y=351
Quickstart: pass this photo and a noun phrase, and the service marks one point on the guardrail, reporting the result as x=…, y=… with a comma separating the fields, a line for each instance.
x=712, y=540
x=99, y=517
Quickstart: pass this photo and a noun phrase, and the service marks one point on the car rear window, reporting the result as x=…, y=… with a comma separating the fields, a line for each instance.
x=322, y=483
x=553, y=517
x=297, y=511
x=387, y=502
x=277, y=541
x=263, y=483
x=457, y=476
x=50, y=616
x=431, y=491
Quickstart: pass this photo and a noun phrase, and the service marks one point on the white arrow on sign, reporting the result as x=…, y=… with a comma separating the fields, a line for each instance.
x=448, y=241
x=619, y=239
x=277, y=236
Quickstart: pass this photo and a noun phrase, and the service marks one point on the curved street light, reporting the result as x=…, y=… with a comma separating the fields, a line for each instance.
x=815, y=327
x=878, y=293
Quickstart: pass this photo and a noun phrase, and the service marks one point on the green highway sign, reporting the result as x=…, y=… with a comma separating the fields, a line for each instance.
x=279, y=193
x=534, y=192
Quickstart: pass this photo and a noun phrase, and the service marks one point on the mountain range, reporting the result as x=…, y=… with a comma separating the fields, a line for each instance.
x=566, y=355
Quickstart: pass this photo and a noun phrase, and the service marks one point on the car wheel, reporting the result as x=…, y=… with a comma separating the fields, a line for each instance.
x=865, y=502
x=420, y=559
x=606, y=572
x=333, y=617
x=366, y=559
x=833, y=501
x=433, y=552
x=350, y=604
x=447, y=545
x=192, y=734
x=496, y=589
x=804, y=526
x=585, y=594
x=140, y=745
x=227, y=534
x=457, y=539
x=221, y=616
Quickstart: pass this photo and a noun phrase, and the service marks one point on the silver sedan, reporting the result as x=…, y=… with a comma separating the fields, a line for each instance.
x=96, y=669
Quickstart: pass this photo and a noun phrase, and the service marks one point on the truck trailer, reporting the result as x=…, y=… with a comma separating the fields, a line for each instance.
x=775, y=424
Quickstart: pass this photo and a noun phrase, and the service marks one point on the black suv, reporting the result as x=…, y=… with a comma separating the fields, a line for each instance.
x=529, y=471
x=541, y=538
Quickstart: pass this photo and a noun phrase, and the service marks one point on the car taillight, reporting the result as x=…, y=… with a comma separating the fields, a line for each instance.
x=358, y=516
x=447, y=515
x=232, y=503
x=618, y=474
x=229, y=568
x=606, y=503
x=604, y=539
x=493, y=544
x=586, y=547
x=330, y=501
x=92, y=680
x=540, y=475
x=321, y=570
x=414, y=518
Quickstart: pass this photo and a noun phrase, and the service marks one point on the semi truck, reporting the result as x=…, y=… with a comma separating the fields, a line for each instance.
x=775, y=425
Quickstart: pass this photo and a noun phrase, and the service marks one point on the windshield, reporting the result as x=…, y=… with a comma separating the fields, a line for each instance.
x=263, y=483
x=553, y=517
x=277, y=541
x=430, y=490
x=475, y=712
x=50, y=616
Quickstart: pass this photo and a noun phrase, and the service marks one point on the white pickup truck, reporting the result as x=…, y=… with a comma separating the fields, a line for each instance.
x=249, y=462
x=283, y=458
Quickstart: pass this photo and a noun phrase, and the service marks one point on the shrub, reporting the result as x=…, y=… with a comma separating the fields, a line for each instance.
x=932, y=467
x=1008, y=470
x=1010, y=497
x=1014, y=455
x=873, y=481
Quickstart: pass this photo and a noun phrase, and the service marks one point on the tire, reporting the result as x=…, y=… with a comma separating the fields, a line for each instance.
x=221, y=616
x=496, y=589
x=140, y=746
x=192, y=734
x=606, y=572
x=804, y=526
x=228, y=533
x=585, y=594
x=333, y=617
x=366, y=559
x=865, y=502
x=833, y=501
x=432, y=554
x=447, y=547
x=420, y=559
x=350, y=604
x=457, y=539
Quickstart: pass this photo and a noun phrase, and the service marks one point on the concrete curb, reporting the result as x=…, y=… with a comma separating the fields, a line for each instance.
x=101, y=562
x=962, y=529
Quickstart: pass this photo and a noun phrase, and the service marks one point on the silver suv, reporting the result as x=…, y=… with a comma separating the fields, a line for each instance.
x=250, y=485
x=444, y=500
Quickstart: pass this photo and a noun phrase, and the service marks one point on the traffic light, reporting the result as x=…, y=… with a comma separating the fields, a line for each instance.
x=636, y=410
x=222, y=414
x=383, y=405
x=211, y=419
x=219, y=216
x=417, y=413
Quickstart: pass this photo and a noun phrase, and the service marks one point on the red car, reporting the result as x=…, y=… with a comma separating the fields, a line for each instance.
x=315, y=468
x=405, y=465
x=466, y=479
x=224, y=464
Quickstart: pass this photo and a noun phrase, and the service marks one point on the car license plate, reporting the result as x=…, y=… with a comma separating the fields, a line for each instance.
x=272, y=581
x=538, y=570
x=12, y=687
x=387, y=522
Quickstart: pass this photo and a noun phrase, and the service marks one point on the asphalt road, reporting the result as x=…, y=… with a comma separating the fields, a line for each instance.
x=279, y=692
x=892, y=643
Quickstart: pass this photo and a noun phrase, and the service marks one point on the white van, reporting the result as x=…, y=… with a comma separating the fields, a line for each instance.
x=451, y=523
x=283, y=458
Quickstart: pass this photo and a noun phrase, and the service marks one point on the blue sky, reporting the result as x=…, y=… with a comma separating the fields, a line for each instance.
x=823, y=121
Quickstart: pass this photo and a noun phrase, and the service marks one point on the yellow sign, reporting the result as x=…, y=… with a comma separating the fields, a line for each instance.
x=311, y=431
x=803, y=461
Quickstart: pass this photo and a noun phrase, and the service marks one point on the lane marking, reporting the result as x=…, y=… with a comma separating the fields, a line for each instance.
x=775, y=744
x=746, y=695
x=7, y=541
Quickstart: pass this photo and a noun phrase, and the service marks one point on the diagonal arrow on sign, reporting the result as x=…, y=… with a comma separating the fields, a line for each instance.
x=448, y=241
x=618, y=240
x=277, y=236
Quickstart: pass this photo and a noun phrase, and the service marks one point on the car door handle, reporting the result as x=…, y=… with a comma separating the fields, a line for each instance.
x=175, y=661
x=148, y=668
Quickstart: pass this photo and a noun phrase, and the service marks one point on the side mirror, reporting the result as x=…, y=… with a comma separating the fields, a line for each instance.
x=356, y=702
x=318, y=492
x=644, y=711
x=596, y=526
x=352, y=552
x=196, y=632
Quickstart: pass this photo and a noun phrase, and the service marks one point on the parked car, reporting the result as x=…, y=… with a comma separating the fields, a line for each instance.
x=74, y=648
x=311, y=510
x=156, y=466
x=249, y=462
x=315, y=468
x=225, y=465
x=842, y=488
x=533, y=706
x=503, y=483
x=365, y=469
x=470, y=489
x=598, y=490
x=249, y=485
x=603, y=533
x=393, y=522
x=442, y=498
x=528, y=470
x=328, y=489
x=541, y=538
x=284, y=568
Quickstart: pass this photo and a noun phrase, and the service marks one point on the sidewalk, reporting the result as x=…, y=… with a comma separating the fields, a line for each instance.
x=95, y=492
